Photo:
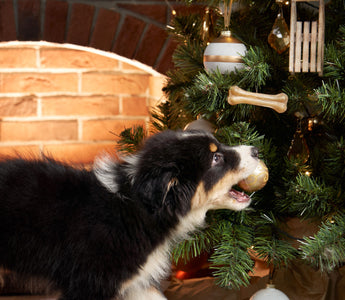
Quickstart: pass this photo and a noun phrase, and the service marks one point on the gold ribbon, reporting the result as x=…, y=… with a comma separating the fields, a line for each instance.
x=223, y=58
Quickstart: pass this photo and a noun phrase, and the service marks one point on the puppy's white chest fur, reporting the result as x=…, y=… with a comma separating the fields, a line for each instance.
x=158, y=263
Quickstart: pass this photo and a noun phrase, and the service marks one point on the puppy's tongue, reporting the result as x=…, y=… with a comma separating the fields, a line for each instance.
x=239, y=196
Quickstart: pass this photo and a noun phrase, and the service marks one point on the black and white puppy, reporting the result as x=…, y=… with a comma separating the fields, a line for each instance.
x=106, y=233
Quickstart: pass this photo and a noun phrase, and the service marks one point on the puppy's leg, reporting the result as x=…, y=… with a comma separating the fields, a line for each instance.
x=149, y=294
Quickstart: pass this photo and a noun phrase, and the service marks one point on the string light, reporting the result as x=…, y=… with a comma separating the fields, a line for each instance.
x=173, y=11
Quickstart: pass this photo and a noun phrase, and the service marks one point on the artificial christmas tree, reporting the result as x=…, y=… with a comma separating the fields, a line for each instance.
x=303, y=147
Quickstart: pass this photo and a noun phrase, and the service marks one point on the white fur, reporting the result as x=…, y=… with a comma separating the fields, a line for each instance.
x=158, y=264
x=131, y=167
x=248, y=162
x=104, y=168
x=147, y=294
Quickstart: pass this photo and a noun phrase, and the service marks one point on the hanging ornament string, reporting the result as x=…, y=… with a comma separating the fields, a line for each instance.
x=270, y=292
x=225, y=52
x=227, y=13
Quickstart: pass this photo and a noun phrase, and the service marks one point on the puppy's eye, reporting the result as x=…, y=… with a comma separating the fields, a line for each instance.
x=217, y=158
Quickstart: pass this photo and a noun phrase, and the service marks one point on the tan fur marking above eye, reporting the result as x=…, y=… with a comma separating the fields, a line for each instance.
x=213, y=148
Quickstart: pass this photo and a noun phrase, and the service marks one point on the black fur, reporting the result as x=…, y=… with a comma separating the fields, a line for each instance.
x=64, y=225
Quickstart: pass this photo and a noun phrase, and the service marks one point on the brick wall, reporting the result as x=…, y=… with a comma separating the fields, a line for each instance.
x=70, y=101
x=135, y=29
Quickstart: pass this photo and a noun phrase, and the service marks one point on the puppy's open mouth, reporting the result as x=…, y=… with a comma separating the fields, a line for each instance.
x=239, y=196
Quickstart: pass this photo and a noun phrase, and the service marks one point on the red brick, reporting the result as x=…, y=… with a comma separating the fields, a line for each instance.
x=52, y=57
x=39, y=82
x=55, y=21
x=151, y=45
x=29, y=20
x=7, y=21
x=105, y=29
x=27, y=151
x=106, y=130
x=155, y=12
x=166, y=63
x=129, y=36
x=186, y=10
x=17, y=58
x=97, y=82
x=18, y=107
x=82, y=106
x=38, y=130
x=80, y=24
x=80, y=153
x=134, y=106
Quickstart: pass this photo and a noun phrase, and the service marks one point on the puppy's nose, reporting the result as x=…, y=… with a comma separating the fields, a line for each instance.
x=255, y=152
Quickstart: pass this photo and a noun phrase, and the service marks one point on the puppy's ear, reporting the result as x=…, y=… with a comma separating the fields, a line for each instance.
x=162, y=191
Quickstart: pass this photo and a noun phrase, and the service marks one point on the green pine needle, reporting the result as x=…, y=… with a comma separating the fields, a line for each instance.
x=257, y=70
x=332, y=99
x=326, y=249
x=230, y=259
x=130, y=139
x=309, y=197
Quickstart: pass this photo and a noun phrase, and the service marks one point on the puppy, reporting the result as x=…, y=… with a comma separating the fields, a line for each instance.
x=106, y=233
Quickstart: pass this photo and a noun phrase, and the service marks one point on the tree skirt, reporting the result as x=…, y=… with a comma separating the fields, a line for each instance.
x=299, y=281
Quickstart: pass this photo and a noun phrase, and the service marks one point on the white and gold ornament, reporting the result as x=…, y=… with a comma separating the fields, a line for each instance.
x=224, y=53
x=269, y=293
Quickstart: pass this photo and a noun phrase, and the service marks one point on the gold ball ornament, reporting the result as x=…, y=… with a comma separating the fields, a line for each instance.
x=257, y=180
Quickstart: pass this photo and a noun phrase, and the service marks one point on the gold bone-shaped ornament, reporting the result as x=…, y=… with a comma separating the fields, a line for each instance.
x=277, y=102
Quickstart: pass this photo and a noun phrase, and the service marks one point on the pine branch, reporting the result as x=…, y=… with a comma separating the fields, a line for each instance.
x=326, y=249
x=240, y=133
x=208, y=96
x=334, y=163
x=208, y=93
x=269, y=243
x=187, y=27
x=310, y=197
x=332, y=99
x=189, y=58
x=199, y=242
x=130, y=139
x=341, y=37
x=335, y=61
x=299, y=90
x=169, y=115
x=257, y=70
x=176, y=84
x=230, y=259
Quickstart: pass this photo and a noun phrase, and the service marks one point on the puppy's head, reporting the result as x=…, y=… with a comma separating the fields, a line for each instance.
x=179, y=171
